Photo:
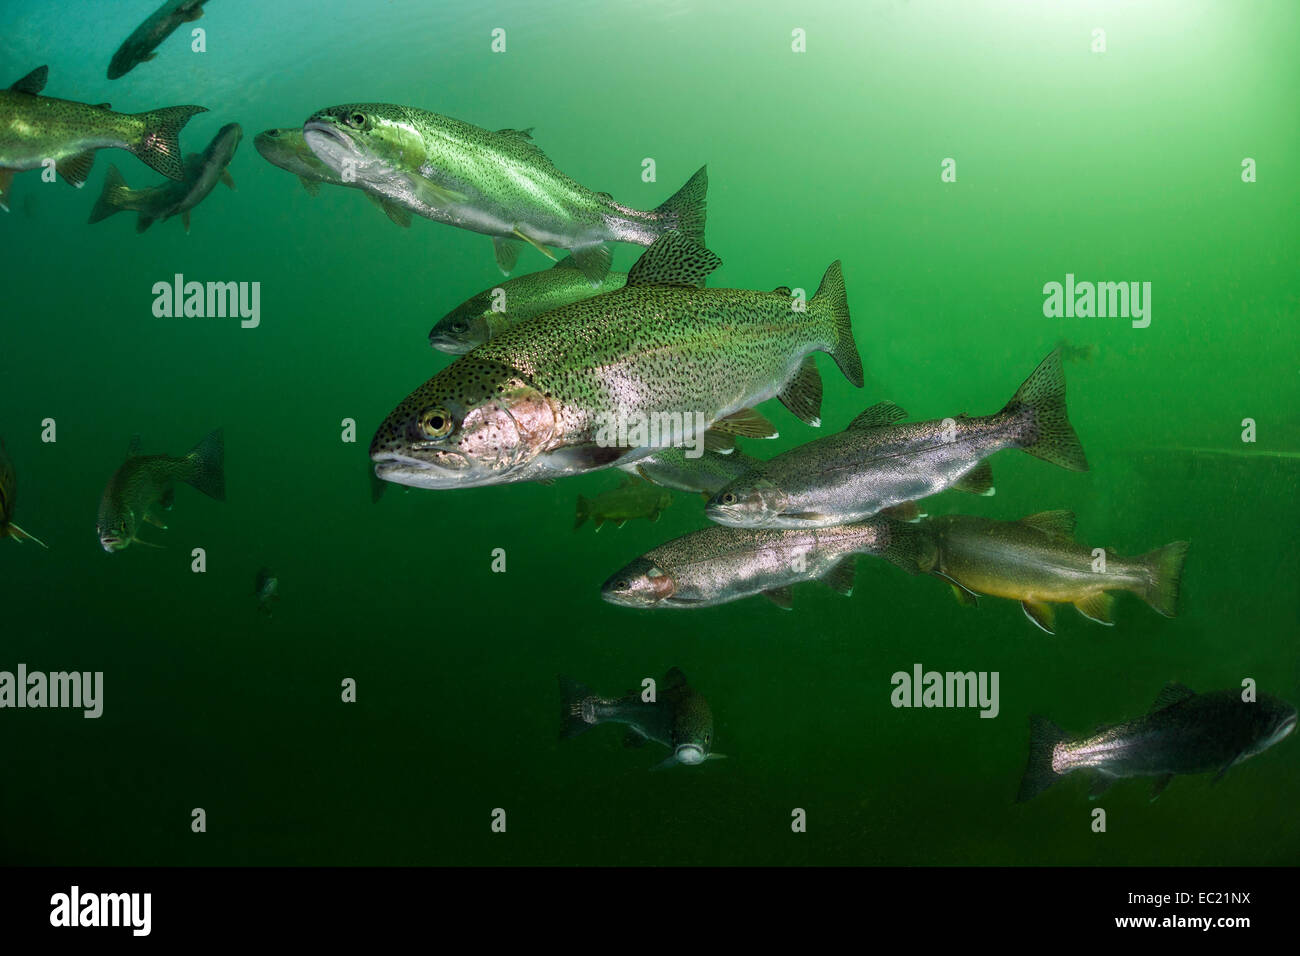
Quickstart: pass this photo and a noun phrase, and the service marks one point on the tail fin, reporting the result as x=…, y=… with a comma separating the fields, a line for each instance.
x=833, y=301
x=19, y=535
x=160, y=145
x=1039, y=774
x=684, y=209
x=908, y=546
x=1050, y=435
x=584, y=511
x=208, y=467
x=572, y=696
x=1164, y=577
x=114, y=197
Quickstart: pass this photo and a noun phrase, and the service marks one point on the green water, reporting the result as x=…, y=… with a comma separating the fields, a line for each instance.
x=1116, y=166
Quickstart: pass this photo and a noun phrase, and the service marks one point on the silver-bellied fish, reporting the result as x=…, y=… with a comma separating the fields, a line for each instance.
x=499, y=184
x=661, y=362
x=145, y=486
x=285, y=148
x=1184, y=733
x=877, y=463
x=678, y=717
x=488, y=314
x=630, y=500
x=267, y=588
x=717, y=565
x=8, y=497
x=704, y=474
x=158, y=203
x=1037, y=562
x=35, y=128
x=140, y=45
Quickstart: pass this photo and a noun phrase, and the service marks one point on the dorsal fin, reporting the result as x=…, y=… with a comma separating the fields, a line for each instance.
x=673, y=260
x=524, y=134
x=673, y=679
x=878, y=415
x=1172, y=693
x=33, y=82
x=1058, y=524
x=783, y=290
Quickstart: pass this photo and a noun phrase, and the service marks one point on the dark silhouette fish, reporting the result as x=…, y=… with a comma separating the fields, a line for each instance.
x=140, y=45
x=8, y=496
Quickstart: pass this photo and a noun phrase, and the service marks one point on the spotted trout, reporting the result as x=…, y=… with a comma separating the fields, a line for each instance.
x=1184, y=733
x=496, y=183
x=877, y=463
x=493, y=311
x=145, y=486
x=1036, y=561
x=35, y=128
x=717, y=565
x=677, y=717
x=661, y=362
x=159, y=203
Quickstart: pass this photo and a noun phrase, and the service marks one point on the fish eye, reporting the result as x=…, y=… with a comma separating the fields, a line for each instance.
x=460, y=326
x=621, y=585
x=729, y=498
x=435, y=423
x=356, y=120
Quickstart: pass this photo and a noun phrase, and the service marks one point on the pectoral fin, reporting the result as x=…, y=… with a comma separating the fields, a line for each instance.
x=431, y=194
x=550, y=255
x=228, y=179
x=507, y=253
x=185, y=221
x=398, y=214
x=6, y=180
x=633, y=738
x=311, y=185
x=1044, y=615
x=1100, y=784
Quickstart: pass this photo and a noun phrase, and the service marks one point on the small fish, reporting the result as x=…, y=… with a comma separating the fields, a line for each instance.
x=1036, y=561
x=555, y=395
x=718, y=565
x=144, y=486
x=140, y=45
x=35, y=128
x=678, y=717
x=267, y=588
x=498, y=184
x=1076, y=353
x=704, y=474
x=631, y=499
x=877, y=463
x=286, y=148
x=1184, y=733
x=158, y=203
x=493, y=311
x=8, y=495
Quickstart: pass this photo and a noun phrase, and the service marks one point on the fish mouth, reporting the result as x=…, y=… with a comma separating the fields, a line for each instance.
x=449, y=469
x=445, y=342
x=690, y=755
x=330, y=144
x=633, y=587
x=734, y=516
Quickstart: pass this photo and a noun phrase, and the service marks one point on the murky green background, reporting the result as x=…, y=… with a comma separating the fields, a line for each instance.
x=1116, y=166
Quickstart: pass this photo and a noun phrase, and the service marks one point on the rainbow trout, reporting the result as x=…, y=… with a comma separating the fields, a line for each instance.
x=140, y=45
x=877, y=463
x=8, y=496
x=661, y=362
x=1036, y=561
x=678, y=717
x=717, y=565
x=498, y=184
x=493, y=311
x=285, y=147
x=158, y=203
x=35, y=128
x=1184, y=733
x=145, y=485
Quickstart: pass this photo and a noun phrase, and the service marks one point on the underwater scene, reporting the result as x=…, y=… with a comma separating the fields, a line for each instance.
x=673, y=433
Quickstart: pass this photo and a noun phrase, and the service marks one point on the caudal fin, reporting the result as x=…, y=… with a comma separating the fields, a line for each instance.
x=832, y=301
x=1164, y=577
x=114, y=197
x=207, y=470
x=160, y=145
x=908, y=546
x=1039, y=775
x=1039, y=408
x=572, y=696
x=684, y=209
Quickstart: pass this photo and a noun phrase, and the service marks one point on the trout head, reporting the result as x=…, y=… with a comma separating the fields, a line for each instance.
x=474, y=423
x=1273, y=719
x=748, y=502
x=116, y=524
x=466, y=326
x=641, y=584
x=365, y=142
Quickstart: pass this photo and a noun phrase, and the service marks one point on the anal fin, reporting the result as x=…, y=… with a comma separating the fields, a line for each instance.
x=1099, y=607
x=782, y=597
x=76, y=169
x=1041, y=613
x=977, y=481
x=803, y=393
